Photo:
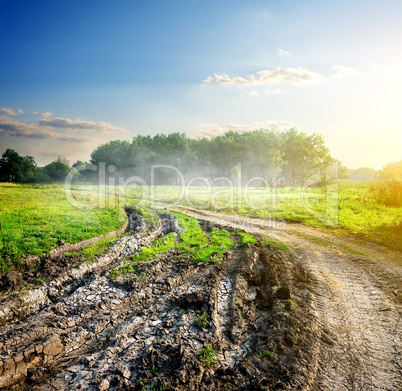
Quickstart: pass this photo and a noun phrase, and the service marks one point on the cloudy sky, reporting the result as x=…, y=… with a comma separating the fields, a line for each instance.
x=75, y=74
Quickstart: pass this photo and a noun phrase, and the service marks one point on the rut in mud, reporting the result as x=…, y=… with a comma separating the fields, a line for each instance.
x=312, y=318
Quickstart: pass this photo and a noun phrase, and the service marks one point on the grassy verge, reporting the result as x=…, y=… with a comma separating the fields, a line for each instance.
x=273, y=244
x=161, y=245
x=34, y=218
x=245, y=237
x=94, y=250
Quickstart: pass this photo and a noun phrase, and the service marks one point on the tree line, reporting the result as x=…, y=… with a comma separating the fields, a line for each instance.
x=23, y=169
x=291, y=155
x=392, y=171
x=269, y=154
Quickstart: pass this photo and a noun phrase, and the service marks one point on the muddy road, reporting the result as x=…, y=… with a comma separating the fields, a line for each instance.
x=356, y=303
x=322, y=315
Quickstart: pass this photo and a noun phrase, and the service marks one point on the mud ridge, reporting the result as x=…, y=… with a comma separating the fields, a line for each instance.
x=65, y=247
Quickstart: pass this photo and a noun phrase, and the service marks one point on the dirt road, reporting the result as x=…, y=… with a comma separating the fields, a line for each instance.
x=357, y=297
x=324, y=315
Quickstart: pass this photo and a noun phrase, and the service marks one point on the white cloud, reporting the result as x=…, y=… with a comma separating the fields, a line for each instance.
x=35, y=112
x=281, y=76
x=76, y=125
x=283, y=53
x=254, y=93
x=209, y=79
x=47, y=114
x=6, y=111
x=56, y=129
x=277, y=76
x=212, y=130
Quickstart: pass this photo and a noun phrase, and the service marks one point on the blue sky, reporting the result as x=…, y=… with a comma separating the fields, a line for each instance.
x=75, y=74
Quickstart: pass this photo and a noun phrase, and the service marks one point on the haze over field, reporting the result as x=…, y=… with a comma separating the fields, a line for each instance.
x=77, y=74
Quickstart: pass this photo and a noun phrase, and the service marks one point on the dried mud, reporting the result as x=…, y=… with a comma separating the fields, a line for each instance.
x=310, y=319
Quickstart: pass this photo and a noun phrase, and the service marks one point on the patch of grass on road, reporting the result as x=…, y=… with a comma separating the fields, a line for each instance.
x=193, y=243
x=245, y=237
x=92, y=251
x=198, y=244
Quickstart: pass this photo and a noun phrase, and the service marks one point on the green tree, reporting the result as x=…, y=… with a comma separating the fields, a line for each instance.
x=16, y=168
x=78, y=163
x=303, y=155
x=58, y=169
x=392, y=171
x=117, y=153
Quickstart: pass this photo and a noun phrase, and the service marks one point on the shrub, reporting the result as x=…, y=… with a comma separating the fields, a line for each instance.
x=265, y=353
x=207, y=355
x=202, y=320
x=388, y=193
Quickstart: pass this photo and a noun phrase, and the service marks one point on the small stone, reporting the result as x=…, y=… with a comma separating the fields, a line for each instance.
x=283, y=293
x=12, y=279
x=21, y=367
x=263, y=301
x=19, y=358
x=53, y=347
x=126, y=372
x=104, y=385
x=288, y=340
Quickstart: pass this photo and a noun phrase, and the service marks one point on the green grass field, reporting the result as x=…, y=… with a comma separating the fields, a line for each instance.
x=34, y=217
x=348, y=209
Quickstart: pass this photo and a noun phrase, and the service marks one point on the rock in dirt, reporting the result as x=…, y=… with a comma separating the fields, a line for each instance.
x=263, y=300
x=283, y=293
x=11, y=280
